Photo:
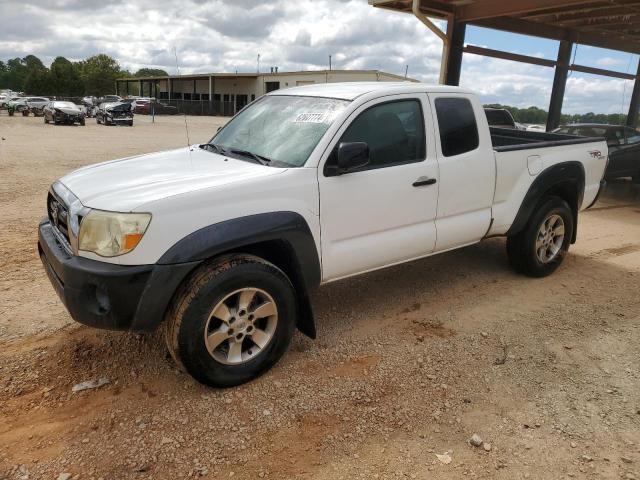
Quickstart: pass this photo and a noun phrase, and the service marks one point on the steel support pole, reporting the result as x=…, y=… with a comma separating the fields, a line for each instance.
x=634, y=105
x=456, y=50
x=559, y=84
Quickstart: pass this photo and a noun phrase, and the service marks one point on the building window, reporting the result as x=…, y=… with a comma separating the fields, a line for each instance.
x=253, y=97
x=204, y=96
x=271, y=86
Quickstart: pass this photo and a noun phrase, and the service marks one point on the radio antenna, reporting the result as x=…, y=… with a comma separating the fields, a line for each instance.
x=184, y=114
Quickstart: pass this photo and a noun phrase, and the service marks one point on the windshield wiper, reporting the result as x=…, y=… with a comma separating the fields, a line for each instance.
x=247, y=154
x=236, y=151
x=214, y=147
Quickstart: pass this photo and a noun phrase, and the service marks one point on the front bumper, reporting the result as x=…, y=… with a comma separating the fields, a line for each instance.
x=66, y=118
x=105, y=295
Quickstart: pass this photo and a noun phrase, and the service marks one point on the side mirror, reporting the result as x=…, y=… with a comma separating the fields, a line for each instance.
x=350, y=156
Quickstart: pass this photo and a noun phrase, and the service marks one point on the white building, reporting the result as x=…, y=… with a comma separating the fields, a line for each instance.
x=226, y=93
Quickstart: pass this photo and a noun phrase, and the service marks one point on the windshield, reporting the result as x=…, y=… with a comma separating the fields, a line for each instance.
x=64, y=105
x=282, y=129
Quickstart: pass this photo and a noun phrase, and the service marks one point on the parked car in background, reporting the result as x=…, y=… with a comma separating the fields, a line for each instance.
x=623, y=143
x=500, y=118
x=7, y=95
x=17, y=103
x=36, y=105
x=63, y=112
x=90, y=105
x=155, y=107
x=110, y=99
x=114, y=114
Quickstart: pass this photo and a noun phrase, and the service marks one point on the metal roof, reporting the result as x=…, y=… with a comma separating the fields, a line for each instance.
x=612, y=24
x=352, y=90
x=256, y=75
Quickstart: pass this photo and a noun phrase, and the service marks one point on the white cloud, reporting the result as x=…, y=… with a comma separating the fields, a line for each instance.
x=227, y=35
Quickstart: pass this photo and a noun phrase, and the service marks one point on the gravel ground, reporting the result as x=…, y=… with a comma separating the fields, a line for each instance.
x=410, y=362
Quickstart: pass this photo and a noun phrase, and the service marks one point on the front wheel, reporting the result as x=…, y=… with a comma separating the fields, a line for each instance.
x=541, y=247
x=232, y=320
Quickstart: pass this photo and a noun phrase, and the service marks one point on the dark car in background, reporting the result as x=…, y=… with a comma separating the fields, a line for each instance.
x=115, y=113
x=63, y=112
x=624, y=147
x=147, y=107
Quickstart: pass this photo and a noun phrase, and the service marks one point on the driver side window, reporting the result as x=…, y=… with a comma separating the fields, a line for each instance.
x=394, y=132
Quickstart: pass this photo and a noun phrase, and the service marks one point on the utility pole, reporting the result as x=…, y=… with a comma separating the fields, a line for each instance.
x=406, y=71
x=329, y=62
x=258, y=63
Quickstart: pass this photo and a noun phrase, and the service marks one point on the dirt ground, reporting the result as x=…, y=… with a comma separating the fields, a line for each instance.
x=410, y=361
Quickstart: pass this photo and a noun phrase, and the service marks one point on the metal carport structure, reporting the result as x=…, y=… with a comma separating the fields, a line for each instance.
x=611, y=24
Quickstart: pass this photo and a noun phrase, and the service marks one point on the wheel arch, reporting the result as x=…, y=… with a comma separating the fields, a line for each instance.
x=281, y=238
x=565, y=180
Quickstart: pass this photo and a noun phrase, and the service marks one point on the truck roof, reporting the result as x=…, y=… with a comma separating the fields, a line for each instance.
x=352, y=90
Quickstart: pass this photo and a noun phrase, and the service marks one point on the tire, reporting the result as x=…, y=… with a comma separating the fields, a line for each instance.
x=46, y=120
x=221, y=282
x=82, y=122
x=97, y=121
x=523, y=255
x=130, y=123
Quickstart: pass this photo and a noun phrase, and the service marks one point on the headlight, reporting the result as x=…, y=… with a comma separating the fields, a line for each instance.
x=110, y=234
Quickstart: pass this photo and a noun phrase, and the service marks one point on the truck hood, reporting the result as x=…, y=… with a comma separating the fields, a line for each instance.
x=126, y=184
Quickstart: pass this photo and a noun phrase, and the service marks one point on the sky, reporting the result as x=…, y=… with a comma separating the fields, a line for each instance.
x=228, y=35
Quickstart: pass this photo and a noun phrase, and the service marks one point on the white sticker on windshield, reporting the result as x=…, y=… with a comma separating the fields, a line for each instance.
x=310, y=118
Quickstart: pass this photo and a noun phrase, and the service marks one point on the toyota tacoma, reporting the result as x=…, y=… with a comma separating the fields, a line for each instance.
x=223, y=242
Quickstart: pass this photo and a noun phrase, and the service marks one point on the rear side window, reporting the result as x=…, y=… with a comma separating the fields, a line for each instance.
x=457, y=124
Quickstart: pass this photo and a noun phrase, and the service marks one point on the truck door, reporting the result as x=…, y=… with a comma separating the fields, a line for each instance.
x=467, y=170
x=382, y=213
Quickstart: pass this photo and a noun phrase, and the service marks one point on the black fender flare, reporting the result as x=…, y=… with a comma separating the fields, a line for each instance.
x=564, y=179
x=298, y=256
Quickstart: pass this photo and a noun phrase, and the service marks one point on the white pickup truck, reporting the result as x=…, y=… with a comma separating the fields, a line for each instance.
x=224, y=241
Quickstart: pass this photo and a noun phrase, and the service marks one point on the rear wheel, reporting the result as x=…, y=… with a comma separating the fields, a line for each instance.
x=46, y=120
x=232, y=320
x=541, y=247
x=82, y=122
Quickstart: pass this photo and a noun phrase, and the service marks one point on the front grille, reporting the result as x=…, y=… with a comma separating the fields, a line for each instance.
x=58, y=216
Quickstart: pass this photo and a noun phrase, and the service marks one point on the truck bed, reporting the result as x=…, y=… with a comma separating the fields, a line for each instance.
x=507, y=140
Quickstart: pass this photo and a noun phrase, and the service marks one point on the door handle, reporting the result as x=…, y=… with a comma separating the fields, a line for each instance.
x=422, y=181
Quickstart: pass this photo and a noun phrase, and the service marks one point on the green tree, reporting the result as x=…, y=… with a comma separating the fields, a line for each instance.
x=36, y=78
x=64, y=79
x=98, y=74
x=15, y=74
x=151, y=72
